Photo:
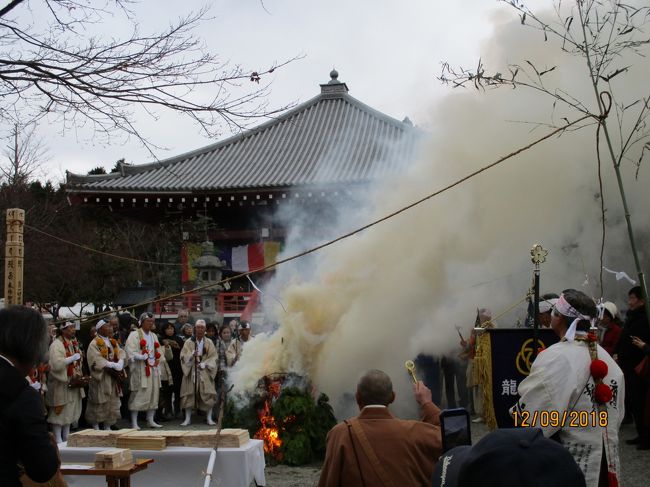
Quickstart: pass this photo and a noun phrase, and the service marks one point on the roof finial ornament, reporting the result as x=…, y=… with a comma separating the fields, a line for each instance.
x=334, y=87
x=334, y=75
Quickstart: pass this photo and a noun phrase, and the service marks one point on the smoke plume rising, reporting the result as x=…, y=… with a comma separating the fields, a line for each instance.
x=381, y=297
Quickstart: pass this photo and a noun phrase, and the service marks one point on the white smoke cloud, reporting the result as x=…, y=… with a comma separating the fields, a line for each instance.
x=399, y=288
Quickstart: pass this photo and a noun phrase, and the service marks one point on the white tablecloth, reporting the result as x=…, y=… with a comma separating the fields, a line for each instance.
x=178, y=466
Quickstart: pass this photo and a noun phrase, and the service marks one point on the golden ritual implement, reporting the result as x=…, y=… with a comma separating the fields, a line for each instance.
x=410, y=366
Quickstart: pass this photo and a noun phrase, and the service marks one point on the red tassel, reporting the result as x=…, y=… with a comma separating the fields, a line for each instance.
x=612, y=479
x=147, y=371
x=598, y=369
x=603, y=393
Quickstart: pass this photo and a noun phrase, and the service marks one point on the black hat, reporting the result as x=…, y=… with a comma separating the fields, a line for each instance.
x=244, y=325
x=509, y=457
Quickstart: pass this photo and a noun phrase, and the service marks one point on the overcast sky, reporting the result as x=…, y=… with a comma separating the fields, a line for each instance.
x=388, y=52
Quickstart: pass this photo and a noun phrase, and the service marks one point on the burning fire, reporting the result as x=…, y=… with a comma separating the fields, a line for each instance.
x=269, y=431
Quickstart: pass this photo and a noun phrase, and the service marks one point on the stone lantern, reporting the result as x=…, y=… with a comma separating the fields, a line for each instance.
x=208, y=270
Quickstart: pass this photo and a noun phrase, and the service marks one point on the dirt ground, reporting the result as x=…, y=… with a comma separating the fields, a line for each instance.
x=283, y=476
x=634, y=465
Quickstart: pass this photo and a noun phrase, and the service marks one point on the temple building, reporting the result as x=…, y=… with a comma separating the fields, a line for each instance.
x=314, y=155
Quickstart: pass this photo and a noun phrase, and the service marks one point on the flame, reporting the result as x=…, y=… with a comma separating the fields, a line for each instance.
x=269, y=432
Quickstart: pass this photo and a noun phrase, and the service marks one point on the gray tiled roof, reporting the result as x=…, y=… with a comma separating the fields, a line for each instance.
x=331, y=139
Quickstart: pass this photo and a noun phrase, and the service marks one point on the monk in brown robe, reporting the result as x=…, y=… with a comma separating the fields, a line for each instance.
x=376, y=448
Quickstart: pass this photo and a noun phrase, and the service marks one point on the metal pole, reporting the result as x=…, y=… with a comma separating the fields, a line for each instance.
x=536, y=312
x=538, y=255
x=196, y=374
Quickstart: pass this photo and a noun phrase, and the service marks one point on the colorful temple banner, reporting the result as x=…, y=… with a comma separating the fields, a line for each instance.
x=503, y=360
x=189, y=253
x=251, y=257
x=242, y=258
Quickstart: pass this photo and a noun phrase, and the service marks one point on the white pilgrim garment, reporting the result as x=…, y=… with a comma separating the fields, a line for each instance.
x=145, y=388
x=560, y=380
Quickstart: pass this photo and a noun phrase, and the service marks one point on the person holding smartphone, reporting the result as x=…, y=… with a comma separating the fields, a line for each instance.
x=628, y=357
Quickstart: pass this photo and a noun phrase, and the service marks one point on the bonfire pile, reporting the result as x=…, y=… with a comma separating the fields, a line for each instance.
x=284, y=414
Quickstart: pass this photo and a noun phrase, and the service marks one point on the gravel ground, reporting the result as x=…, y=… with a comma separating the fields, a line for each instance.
x=634, y=465
x=634, y=462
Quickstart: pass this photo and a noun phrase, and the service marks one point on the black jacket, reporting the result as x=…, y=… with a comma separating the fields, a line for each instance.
x=636, y=324
x=175, y=362
x=24, y=437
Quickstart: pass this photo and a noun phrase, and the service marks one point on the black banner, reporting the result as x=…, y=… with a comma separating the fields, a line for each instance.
x=511, y=357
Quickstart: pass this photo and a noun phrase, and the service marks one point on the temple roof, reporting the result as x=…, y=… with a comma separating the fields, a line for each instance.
x=332, y=139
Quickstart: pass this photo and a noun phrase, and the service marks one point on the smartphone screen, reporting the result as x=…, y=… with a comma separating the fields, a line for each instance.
x=454, y=424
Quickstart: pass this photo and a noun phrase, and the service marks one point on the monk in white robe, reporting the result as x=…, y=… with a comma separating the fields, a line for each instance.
x=199, y=363
x=63, y=401
x=142, y=351
x=106, y=362
x=589, y=409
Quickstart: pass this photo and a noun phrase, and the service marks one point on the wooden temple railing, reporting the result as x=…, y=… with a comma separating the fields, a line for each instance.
x=225, y=303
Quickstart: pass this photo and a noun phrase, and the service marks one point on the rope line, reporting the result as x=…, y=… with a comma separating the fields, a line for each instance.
x=508, y=310
x=101, y=252
x=358, y=230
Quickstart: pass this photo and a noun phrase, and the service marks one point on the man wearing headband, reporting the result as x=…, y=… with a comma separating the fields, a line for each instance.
x=546, y=305
x=106, y=361
x=144, y=355
x=63, y=401
x=575, y=391
x=609, y=330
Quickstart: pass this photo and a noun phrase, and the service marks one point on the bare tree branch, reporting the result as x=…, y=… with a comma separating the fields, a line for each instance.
x=605, y=35
x=83, y=80
x=9, y=7
x=24, y=156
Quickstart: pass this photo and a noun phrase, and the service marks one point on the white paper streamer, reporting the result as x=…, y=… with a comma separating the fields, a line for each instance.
x=620, y=275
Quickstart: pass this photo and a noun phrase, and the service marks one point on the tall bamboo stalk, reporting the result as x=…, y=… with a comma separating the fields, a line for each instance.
x=603, y=124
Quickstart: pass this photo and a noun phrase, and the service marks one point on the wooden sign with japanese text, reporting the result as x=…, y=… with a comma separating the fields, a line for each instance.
x=14, y=257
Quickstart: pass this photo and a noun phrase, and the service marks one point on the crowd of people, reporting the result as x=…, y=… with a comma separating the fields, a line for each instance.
x=129, y=369
x=595, y=373
x=454, y=381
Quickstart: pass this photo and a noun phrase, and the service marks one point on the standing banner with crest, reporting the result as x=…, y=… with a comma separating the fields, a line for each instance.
x=503, y=358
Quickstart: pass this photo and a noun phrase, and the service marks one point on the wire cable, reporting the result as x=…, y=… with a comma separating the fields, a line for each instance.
x=100, y=252
x=358, y=230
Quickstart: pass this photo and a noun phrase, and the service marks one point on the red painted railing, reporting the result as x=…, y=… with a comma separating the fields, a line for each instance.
x=226, y=303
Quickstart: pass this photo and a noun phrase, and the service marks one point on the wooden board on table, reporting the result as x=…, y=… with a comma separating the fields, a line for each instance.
x=95, y=438
x=173, y=437
x=229, y=438
x=113, y=458
x=137, y=442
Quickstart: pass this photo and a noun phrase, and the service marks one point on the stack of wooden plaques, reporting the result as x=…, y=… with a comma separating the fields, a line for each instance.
x=113, y=458
x=158, y=440
x=172, y=438
x=229, y=438
x=142, y=440
x=95, y=438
